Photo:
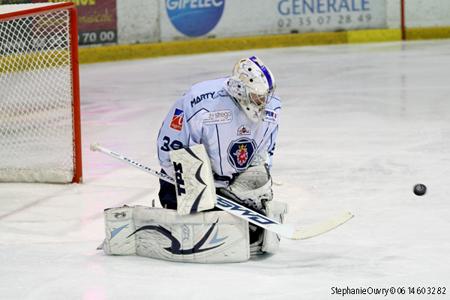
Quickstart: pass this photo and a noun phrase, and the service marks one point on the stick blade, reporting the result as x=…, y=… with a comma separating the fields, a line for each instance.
x=321, y=228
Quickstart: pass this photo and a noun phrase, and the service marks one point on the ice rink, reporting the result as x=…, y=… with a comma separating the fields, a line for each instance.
x=360, y=125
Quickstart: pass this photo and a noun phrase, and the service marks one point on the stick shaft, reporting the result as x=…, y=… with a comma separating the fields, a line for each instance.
x=132, y=162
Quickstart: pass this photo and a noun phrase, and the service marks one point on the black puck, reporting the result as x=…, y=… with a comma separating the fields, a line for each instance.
x=420, y=189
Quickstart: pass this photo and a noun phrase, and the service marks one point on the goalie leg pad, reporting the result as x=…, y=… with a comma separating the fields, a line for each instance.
x=271, y=241
x=207, y=237
x=119, y=225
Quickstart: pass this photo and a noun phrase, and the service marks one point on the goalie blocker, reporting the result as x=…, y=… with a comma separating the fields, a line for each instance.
x=194, y=183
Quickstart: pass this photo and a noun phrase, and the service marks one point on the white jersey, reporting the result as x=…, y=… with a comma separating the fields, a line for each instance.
x=208, y=115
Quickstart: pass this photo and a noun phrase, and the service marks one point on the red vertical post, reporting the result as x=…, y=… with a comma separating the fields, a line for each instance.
x=402, y=17
x=78, y=169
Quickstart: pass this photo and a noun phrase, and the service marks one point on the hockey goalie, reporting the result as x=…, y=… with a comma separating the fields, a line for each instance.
x=217, y=139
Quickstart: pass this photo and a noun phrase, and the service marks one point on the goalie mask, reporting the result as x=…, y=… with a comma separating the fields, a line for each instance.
x=252, y=85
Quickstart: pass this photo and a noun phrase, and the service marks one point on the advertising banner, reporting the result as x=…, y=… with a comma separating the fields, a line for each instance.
x=97, y=19
x=181, y=19
x=329, y=15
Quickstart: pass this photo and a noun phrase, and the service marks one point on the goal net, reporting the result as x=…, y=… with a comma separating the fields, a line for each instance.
x=39, y=94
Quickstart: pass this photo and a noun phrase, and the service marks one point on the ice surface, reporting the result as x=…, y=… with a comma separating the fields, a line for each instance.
x=361, y=124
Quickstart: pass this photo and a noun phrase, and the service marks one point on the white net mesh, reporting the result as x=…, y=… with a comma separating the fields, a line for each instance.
x=36, y=123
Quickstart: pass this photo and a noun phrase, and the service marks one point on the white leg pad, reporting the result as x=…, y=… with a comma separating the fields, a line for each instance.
x=271, y=241
x=119, y=225
x=207, y=237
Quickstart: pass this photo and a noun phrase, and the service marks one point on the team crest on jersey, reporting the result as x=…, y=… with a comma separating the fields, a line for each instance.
x=177, y=120
x=243, y=130
x=240, y=153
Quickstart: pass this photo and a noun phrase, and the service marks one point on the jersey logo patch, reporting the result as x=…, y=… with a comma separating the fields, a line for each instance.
x=271, y=116
x=243, y=130
x=218, y=117
x=240, y=153
x=177, y=120
x=198, y=99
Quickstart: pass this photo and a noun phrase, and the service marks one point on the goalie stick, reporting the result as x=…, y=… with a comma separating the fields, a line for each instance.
x=284, y=230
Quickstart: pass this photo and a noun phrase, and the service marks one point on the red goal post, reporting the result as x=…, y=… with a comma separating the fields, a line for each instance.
x=402, y=19
x=40, y=132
